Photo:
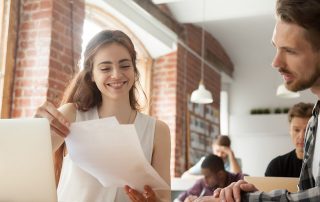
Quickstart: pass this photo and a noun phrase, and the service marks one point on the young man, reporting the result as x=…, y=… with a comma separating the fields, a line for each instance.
x=221, y=147
x=212, y=168
x=296, y=38
x=289, y=164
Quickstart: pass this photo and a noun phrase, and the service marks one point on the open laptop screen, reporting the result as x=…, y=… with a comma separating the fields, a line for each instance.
x=26, y=165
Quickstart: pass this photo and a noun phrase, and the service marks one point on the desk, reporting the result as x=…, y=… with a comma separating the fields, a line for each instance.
x=179, y=185
x=267, y=184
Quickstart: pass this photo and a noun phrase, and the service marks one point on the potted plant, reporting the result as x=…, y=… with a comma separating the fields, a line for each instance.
x=266, y=111
x=253, y=111
x=285, y=110
x=277, y=110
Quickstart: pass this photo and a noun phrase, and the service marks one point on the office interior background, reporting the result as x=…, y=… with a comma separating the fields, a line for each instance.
x=41, y=43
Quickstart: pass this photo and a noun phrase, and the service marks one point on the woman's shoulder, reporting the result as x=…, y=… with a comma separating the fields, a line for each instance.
x=69, y=110
x=160, y=126
x=162, y=129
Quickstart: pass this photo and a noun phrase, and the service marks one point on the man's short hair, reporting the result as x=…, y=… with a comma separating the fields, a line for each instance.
x=301, y=110
x=222, y=140
x=213, y=162
x=305, y=13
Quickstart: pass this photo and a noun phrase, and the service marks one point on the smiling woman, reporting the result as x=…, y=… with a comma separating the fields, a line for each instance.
x=113, y=77
x=105, y=87
x=99, y=18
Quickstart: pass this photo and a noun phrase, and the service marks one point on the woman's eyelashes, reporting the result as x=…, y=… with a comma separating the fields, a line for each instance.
x=105, y=69
x=124, y=63
x=108, y=69
x=108, y=66
x=125, y=66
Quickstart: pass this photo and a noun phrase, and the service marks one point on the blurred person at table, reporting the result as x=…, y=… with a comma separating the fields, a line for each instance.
x=221, y=147
x=289, y=164
x=214, y=176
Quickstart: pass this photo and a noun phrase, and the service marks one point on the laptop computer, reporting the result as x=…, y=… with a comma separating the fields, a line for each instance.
x=268, y=184
x=26, y=164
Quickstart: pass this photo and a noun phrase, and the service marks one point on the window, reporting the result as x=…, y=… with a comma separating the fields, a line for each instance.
x=90, y=28
x=3, y=42
x=224, y=113
x=8, y=24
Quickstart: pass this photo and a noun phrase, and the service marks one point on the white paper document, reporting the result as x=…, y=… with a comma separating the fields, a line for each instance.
x=112, y=154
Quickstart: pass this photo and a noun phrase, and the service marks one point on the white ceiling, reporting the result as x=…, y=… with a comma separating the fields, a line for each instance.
x=235, y=24
x=194, y=11
x=244, y=28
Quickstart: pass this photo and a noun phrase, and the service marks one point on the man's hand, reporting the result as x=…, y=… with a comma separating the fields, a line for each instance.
x=190, y=198
x=233, y=191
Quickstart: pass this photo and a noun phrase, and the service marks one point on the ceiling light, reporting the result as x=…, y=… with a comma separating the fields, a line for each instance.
x=164, y=1
x=283, y=92
x=202, y=95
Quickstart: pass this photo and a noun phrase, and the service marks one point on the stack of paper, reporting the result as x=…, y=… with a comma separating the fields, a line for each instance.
x=112, y=154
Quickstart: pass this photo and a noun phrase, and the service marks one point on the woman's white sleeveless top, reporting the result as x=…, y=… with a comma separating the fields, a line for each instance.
x=76, y=185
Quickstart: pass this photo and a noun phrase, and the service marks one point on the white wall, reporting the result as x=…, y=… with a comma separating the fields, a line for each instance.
x=255, y=81
x=257, y=139
x=254, y=86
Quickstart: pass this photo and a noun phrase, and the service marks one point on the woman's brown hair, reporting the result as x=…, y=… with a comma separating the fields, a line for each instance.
x=83, y=92
x=222, y=140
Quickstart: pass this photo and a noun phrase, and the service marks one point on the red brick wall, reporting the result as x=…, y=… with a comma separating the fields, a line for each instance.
x=189, y=74
x=45, y=52
x=65, y=45
x=163, y=95
x=175, y=76
x=192, y=37
x=48, y=50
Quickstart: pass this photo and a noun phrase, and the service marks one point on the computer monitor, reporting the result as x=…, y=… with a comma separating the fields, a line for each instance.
x=26, y=163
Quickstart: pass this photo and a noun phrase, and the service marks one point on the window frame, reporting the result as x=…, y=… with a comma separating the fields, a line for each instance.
x=9, y=18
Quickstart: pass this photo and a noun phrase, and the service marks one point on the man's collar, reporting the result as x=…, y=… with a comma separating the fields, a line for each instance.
x=316, y=108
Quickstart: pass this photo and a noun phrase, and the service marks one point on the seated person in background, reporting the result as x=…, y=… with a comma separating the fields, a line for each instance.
x=215, y=176
x=289, y=165
x=220, y=147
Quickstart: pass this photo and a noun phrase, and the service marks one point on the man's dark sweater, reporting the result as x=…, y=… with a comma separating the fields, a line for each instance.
x=287, y=165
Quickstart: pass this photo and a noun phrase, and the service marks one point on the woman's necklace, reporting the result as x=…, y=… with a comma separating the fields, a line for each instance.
x=130, y=116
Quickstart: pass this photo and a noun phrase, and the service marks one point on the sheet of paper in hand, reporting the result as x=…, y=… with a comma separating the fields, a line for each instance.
x=112, y=154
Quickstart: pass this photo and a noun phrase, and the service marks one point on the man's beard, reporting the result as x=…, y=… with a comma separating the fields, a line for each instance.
x=300, y=85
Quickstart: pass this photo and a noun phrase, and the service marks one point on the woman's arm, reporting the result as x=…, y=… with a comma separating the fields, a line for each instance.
x=59, y=119
x=161, y=163
x=234, y=165
x=161, y=156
